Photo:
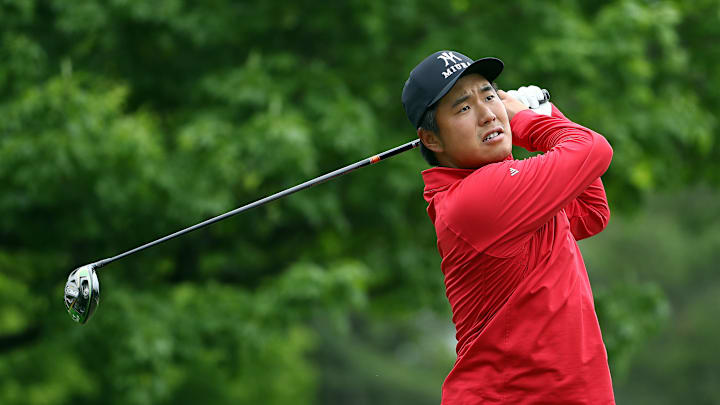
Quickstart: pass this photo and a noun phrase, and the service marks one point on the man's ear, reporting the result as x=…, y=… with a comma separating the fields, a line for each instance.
x=430, y=140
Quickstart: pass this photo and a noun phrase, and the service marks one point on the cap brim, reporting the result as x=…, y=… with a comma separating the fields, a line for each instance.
x=490, y=68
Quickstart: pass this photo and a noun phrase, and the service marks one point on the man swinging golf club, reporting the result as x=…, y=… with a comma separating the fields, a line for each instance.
x=527, y=332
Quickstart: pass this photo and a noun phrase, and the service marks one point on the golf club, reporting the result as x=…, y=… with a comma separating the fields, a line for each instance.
x=82, y=290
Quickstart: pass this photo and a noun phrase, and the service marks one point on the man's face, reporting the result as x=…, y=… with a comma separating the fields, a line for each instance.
x=474, y=128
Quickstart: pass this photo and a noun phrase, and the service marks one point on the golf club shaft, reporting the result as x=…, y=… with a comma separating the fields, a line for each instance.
x=307, y=184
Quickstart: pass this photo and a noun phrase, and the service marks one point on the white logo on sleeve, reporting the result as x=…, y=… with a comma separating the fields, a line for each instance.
x=514, y=171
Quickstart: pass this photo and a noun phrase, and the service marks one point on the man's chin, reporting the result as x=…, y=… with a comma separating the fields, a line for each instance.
x=500, y=156
x=506, y=153
x=485, y=162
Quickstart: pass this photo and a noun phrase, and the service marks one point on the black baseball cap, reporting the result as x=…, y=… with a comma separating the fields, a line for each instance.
x=436, y=75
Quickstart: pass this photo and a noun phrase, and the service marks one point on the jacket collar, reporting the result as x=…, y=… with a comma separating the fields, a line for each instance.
x=439, y=178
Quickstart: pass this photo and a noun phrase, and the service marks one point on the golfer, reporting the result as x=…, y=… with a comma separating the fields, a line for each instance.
x=507, y=233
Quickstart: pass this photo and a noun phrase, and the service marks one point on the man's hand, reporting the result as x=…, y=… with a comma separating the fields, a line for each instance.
x=512, y=105
x=533, y=97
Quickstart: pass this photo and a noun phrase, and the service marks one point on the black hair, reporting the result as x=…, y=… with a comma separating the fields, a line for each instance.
x=429, y=123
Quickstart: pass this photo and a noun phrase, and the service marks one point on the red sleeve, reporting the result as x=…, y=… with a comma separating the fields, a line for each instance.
x=500, y=205
x=589, y=212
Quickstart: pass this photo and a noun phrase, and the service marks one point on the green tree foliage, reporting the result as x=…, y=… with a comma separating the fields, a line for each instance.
x=671, y=246
x=125, y=120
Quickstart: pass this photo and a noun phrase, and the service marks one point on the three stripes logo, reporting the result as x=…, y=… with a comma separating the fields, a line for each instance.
x=514, y=171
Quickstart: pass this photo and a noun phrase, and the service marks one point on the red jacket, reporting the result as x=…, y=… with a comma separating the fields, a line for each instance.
x=522, y=306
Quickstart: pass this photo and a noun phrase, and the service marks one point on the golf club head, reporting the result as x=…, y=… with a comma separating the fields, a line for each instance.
x=82, y=293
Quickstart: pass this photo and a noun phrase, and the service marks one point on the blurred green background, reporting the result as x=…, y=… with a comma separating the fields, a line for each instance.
x=125, y=120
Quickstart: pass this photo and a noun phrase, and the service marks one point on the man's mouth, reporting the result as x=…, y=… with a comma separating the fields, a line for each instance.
x=493, y=134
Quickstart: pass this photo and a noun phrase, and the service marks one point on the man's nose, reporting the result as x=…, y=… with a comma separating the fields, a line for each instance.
x=485, y=115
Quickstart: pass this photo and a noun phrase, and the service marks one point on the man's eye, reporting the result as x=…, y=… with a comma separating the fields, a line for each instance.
x=467, y=107
x=490, y=97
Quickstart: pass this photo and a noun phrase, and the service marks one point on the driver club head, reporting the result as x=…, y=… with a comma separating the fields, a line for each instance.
x=82, y=293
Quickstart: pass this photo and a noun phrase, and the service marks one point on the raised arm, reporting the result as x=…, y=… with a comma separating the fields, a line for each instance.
x=589, y=212
x=510, y=200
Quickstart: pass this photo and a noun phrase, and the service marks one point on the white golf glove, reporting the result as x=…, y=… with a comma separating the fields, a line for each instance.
x=532, y=96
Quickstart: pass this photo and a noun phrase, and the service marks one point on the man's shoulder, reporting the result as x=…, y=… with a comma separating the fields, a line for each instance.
x=484, y=180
